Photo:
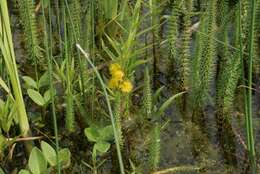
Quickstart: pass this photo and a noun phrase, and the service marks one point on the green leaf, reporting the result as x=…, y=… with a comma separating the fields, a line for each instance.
x=46, y=3
x=30, y=82
x=23, y=171
x=106, y=133
x=37, y=162
x=157, y=94
x=49, y=153
x=3, y=145
x=92, y=134
x=47, y=95
x=1, y=171
x=44, y=80
x=64, y=157
x=167, y=103
x=4, y=86
x=36, y=97
x=102, y=147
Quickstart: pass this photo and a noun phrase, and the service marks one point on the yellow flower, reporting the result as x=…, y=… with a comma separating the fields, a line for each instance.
x=118, y=75
x=113, y=83
x=114, y=67
x=126, y=86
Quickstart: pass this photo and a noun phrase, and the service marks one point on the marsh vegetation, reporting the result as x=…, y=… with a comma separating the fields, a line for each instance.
x=129, y=86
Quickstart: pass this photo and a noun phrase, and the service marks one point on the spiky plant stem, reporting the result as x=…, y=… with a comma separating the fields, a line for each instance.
x=147, y=101
x=227, y=78
x=118, y=117
x=185, y=54
x=30, y=32
x=203, y=64
x=154, y=147
x=70, y=117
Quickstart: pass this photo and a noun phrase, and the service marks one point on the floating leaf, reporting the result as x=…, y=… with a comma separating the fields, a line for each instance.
x=49, y=153
x=106, y=134
x=102, y=147
x=92, y=134
x=37, y=162
x=64, y=157
x=36, y=97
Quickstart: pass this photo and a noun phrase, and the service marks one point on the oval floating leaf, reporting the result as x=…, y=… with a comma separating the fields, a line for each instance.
x=36, y=97
x=64, y=155
x=49, y=153
x=102, y=147
x=37, y=162
x=92, y=134
x=106, y=133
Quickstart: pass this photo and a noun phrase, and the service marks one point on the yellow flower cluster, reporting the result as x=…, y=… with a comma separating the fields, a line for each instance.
x=118, y=80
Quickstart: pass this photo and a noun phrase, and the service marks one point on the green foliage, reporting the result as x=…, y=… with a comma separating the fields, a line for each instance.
x=186, y=44
x=148, y=100
x=37, y=162
x=49, y=153
x=36, y=97
x=127, y=33
x=203, y=65
x=40, y=159
x=118, y=117
x=7, y=50
x=8, y=114
x=28, y=20
x=154, y=147
x=99, y=134
x=1, y=171
x=23, y=171
x=110, y=8
x=34, y=90
x=70, y=117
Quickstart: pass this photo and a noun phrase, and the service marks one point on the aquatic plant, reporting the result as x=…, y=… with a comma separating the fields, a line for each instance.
x=120, y=86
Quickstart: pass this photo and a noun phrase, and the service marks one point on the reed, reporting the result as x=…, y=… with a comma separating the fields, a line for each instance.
x=249, y=117
x=7, y=51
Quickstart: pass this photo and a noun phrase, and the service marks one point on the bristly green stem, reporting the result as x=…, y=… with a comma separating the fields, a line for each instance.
x=48, y=46
x=109, y=109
